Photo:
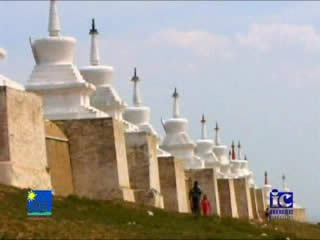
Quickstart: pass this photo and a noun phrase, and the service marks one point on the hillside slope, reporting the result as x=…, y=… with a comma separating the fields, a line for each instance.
x=76, y=218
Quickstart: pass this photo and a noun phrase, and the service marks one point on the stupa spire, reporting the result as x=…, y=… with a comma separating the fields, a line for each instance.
x=284, y=185
x=239, y=151
x=94, y=53
x=203, y=128
x=176, y=112
x=136, y=91
x=233, y=152
x=54, y=23
x=217, y=140
x=266, y=178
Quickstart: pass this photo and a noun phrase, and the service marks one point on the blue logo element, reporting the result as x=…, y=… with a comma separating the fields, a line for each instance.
x=281, y=199
x=39, y=203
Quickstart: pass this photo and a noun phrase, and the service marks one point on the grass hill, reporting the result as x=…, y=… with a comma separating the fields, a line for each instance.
x=78, y=218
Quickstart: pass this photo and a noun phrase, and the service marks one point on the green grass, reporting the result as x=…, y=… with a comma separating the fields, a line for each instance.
x=75, y=218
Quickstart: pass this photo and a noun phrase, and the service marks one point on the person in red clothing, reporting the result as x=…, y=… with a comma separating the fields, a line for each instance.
x=205, y=206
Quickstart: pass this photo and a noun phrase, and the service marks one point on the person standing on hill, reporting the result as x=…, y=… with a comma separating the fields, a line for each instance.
x=205, y=206
x=195, y=196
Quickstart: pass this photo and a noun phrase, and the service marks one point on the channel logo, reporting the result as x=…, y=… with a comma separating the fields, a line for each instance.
x=39, y=203
x=281, y=199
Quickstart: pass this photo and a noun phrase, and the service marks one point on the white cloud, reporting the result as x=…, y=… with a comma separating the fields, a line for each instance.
x=201, y=43
x=265, y=37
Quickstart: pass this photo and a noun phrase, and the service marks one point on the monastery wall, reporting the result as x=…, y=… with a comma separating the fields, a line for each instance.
x=299, y=214
x=59, y=160
x=23, y=161
x=243, y=198
x=143, y=167
x=208, y=183
x=98, y=158
x=261, y=202
x=173, y=184
x=255, y=211
x=227, y=198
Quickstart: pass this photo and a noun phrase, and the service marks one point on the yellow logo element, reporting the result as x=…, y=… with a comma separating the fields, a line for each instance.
x=31, y=196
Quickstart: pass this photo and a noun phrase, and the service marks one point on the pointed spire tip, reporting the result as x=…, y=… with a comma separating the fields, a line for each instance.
x=175, y=93
x=93, y=29
x=135, y=77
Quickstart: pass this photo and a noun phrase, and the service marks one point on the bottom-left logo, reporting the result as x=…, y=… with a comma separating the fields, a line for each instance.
x=39, y=203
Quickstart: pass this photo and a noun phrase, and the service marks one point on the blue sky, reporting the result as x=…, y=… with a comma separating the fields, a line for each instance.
x=252, y=66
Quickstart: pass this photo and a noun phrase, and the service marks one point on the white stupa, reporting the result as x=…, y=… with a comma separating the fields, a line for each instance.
x=4, y=81
x=138, y=114
x=204, y=148
x=249, y=174
x=236, y=162
x=105, y=98
x=221, y=152
x=65, y=93
x=177, y=141
x=267, y=188
x=285, y=188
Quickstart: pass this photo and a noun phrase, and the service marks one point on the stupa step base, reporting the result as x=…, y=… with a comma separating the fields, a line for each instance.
x=53, y=74
x=85, y=112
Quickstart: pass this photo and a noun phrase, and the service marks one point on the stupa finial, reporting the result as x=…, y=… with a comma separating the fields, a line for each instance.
x=233, y=153
x=93, y=29
x=239, y=151
x=265, y=178
x=94, y=51
x=203, y=128
x=217, y=140
x=54, y=23
x=136, y=91
x=176, y=112
x=284, y=185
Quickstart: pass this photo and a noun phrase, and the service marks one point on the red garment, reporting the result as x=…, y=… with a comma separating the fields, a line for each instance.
x=206, y=208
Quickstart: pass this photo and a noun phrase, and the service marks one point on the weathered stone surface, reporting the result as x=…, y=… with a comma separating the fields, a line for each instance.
x=260, y=202
x=98, y=158
x=243, y=198
x=208, y=183
x=58, y=160
x=173, y=184
x=299, y=214
x=23, y=161
x=143, y=167
x=227, y=198
x=254, y=203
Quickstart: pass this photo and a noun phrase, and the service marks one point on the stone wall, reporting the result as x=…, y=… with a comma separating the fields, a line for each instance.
x=208, y=183
x=58, y=160
x=260, y=202
x=299, y=214
x=143, y=167
x=227, y=198
x=243, y=198
x=173, y=184
x=23, y=161
x=254, y=203
x=98, y=158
